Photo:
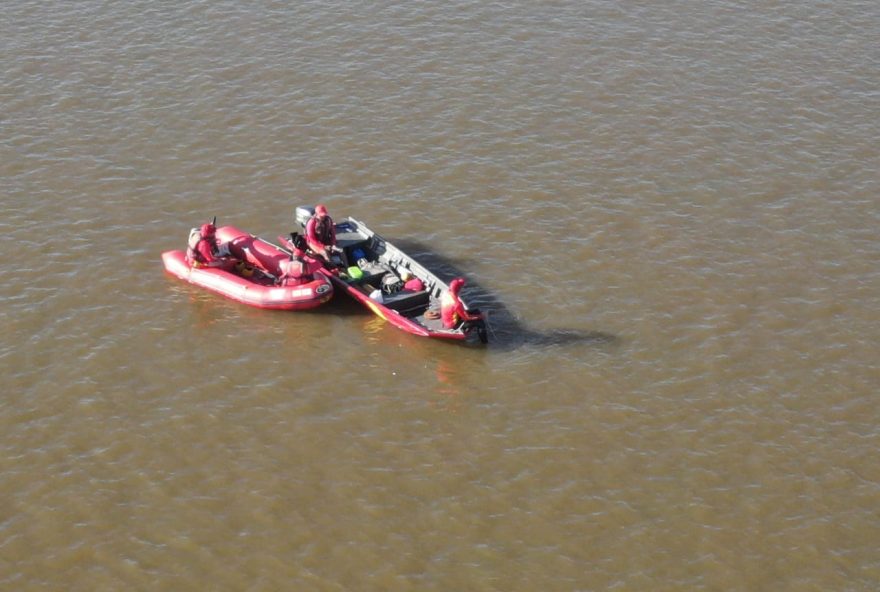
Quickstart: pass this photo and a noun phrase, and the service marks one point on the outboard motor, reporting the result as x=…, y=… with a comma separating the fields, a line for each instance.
x=303, y=214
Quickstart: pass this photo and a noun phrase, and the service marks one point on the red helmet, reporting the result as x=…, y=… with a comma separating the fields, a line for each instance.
x=321, y=210
x=207, y=229
x=456, y=284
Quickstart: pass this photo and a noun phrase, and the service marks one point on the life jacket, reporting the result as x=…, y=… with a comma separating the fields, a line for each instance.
x=192, y=247
x=324, y=229
x=391, y=284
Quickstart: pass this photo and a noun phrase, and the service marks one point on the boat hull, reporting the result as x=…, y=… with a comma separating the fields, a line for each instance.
x=414, y=312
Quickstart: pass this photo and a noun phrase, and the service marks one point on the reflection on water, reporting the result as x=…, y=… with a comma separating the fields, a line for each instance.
x=448, y=387
x=374, y=325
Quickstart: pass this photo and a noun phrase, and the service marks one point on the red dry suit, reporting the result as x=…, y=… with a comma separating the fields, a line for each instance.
x=320, y=232
x=452, y=310
x=202, y=246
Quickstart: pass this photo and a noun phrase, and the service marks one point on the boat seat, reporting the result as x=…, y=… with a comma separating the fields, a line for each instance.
x=404, y=301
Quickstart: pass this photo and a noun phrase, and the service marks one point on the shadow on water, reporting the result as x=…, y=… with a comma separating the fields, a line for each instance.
x=506, y=331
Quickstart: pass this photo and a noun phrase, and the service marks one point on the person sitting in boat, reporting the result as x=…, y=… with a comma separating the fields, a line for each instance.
x=321, y=236
x=299, y=269
x=452, y=309
x=204, y=251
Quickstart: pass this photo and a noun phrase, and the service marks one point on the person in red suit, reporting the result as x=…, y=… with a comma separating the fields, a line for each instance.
x=452, y=309
x=321, y=236
x=204, y=251
x=299, y=269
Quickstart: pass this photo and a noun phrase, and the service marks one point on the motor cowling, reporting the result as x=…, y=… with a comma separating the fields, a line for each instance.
x=303, y=214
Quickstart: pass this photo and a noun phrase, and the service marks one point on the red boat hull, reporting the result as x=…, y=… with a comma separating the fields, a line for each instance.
x=394, y=317
x=414, y=311
x=257, y=290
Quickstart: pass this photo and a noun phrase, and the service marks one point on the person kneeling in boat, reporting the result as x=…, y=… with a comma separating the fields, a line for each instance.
x=203, y=249
x=452, y=309
x=321, y=237
x=299, y=269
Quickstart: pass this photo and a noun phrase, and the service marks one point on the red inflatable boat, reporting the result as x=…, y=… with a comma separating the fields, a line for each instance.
x=253, y=280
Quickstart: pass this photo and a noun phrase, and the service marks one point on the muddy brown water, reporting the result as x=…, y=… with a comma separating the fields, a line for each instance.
x=671, y=210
